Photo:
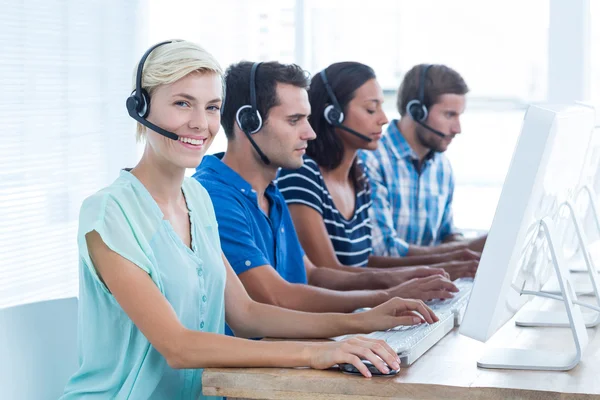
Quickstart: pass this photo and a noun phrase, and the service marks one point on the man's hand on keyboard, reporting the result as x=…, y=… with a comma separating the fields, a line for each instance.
x=352, y=351
x=459, y=269
x=464, y=254
x=405, y=274
x=393, y=313
x=460, y=250
x=431, y=287
x=478, y=244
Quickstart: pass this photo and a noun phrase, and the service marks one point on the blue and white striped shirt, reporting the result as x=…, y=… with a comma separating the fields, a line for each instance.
x=351, y=239
x=409, y=206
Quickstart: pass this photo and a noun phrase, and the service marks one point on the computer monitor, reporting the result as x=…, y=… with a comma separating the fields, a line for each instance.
x=543, y=174
x=589, y=186
x=586, y=203
x=591, y=170
x=578, y=229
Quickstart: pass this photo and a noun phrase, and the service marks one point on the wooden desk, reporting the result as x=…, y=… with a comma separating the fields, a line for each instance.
x=446, y=371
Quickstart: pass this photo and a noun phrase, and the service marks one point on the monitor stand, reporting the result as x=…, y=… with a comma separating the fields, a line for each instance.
x=578, y=262
x=559, y=319
x=546, y=360
x=582, y=267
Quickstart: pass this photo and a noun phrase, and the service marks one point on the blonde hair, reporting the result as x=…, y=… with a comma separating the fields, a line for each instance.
x=169, y=63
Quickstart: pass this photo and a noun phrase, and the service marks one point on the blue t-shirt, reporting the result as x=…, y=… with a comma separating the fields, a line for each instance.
x=249, y=237
x=116, y=361
x=351, y=238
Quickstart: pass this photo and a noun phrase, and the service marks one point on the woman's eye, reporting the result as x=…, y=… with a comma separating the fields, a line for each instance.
x=182, y=103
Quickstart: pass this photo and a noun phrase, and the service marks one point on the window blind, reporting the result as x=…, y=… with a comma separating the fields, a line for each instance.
x=65, y=72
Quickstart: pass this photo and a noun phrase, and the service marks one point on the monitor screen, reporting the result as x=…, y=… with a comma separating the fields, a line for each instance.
x=544, y=172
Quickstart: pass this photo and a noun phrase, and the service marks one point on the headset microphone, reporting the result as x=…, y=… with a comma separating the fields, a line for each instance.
x=333, y=113
x=262, y=155
x=138, y=103
x=441, y=134
x=417, y=109
x=352, y=131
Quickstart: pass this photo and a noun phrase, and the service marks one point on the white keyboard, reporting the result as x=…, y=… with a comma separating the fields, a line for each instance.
x=457, y=304
x=411, y=342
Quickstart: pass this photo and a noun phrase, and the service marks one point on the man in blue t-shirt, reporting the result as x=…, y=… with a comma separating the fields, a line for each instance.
x=265, y=118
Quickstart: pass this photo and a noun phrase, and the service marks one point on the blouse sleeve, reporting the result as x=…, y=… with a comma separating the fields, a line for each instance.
x=103, y=214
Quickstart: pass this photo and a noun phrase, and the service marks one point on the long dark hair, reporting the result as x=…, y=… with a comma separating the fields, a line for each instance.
x=328, y=149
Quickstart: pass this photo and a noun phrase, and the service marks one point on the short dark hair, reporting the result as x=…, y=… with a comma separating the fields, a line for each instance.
x=344, y=78
x=268, y=75
x=440, y=80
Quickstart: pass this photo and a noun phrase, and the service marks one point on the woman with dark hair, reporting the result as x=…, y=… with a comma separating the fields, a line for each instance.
x=329, y=196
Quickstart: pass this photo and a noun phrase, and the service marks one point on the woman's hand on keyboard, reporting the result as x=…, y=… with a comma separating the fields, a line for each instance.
x=393, y=313
x=352, y=351
x=431, y=287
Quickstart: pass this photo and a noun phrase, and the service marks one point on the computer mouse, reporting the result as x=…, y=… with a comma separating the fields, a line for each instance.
x=361, y=309
x=351, y=369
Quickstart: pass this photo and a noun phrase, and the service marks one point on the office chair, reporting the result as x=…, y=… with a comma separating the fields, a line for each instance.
x=38, y=349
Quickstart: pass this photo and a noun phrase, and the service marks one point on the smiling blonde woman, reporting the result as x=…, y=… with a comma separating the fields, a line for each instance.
x=155, y=288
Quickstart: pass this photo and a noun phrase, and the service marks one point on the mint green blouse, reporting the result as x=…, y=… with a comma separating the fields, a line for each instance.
x=116, y=361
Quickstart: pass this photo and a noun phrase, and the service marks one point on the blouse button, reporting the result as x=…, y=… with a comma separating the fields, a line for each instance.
x=204, y=298
x=202, y=325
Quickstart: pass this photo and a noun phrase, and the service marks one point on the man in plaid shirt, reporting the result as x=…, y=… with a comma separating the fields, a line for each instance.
x=411, y=179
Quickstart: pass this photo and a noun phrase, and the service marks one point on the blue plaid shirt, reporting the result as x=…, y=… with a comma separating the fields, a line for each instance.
x=409, y=206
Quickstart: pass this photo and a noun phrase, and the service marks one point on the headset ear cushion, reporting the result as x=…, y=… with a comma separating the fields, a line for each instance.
x=416, y=110
x=144, y=106
x=138, y=104
x=132, y=104
x=332, y=115
x=248, y=120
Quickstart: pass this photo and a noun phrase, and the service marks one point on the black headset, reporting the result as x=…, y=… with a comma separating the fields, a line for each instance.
x=138, y=103
x=333, y=113
x=248, y=117
x=417, y=109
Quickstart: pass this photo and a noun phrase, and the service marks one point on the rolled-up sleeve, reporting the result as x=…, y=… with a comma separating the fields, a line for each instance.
x=385, y=238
